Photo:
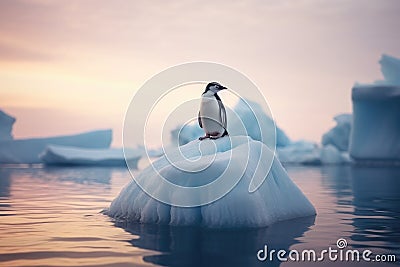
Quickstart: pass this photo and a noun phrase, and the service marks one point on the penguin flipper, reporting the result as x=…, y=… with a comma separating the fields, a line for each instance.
x=222, y=115
x=199, y=120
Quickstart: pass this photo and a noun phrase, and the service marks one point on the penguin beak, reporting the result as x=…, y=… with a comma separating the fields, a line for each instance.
x=223, y=87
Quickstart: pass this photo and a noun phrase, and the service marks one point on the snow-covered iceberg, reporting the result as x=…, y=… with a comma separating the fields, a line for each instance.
x=6, y=124
x=376, y=125
x=28, y=150
x=339, y=135
x=277, y=198
x=67, y=155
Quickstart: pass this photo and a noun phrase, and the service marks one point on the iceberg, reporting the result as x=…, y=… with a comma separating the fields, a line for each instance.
x=375, y=136
x=376, y=125
x=339, y=135
x=28, y=150
x=277, y=198
x=390, y=68
x=309, y=153
x=331, y=155
x=67, y=155
x=300, y=152
x=6, y=124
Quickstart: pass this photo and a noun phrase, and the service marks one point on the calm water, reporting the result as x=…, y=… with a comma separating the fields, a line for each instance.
x=52, y=217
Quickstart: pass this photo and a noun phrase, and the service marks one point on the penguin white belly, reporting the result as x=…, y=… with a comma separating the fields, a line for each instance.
x=211, y=115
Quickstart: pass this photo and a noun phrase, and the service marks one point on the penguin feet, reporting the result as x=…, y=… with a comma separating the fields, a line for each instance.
x=203, y=137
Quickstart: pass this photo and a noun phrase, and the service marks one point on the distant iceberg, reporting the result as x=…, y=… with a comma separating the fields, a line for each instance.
x=309, y=153
x=277, y=198
x=28, y=150
x=300, y=152
x=376, y=129
x=339, y=135
x=6, y=124
x=376, y=111
x=66, y=155
x=390, y=68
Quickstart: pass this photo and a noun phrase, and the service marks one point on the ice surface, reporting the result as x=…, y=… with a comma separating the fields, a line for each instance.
x=28, y=150
x=67, y=155
x=278, y=198
x=339, y=135
x=376, y=125
x=6, y=124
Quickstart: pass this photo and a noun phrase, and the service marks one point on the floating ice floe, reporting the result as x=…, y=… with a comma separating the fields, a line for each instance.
x=376, y=111
x=277, y=198
x=309, y=153
x=28, y=150
x=66, y=155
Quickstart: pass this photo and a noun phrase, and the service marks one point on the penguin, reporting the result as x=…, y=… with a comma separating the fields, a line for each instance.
x=212, y=113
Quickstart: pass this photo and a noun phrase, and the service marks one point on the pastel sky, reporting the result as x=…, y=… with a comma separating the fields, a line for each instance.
x=72, y=66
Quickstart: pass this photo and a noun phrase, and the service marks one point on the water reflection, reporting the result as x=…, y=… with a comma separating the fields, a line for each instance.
x=368, y=199
x=81, y=175
x=5, y=183
x=196, y=246
x=376, y=206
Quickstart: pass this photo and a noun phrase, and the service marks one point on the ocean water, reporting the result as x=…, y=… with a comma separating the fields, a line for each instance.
x=52, y=217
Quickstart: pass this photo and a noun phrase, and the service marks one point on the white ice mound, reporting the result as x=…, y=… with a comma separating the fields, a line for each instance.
x=6, y=124
x=28, y=150
x=66, y=155
x=276, y=199
x=376, y=125
x=339, y=135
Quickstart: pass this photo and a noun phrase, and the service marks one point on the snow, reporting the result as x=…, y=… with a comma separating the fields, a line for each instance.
x=28, y=150
x=67, y=155
x=277, y=198
x=376, y=110
x=339, y=135
x=6, y=124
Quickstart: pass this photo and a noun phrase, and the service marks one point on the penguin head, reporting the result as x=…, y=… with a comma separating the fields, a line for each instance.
x=214, y=87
